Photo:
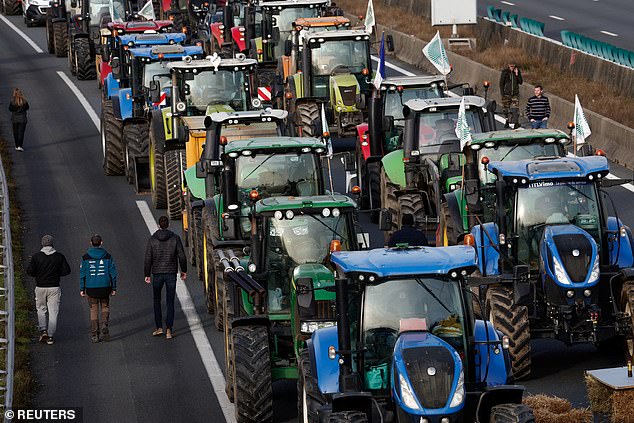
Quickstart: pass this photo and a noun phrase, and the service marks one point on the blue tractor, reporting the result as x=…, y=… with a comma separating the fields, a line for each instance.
x=406, y=347
x=553, y=262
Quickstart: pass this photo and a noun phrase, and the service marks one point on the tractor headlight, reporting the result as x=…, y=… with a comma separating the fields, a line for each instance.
x=406, y=393
x=335, y=212
x=560, y=273
x=458, y=396
x=310, y=327
x=325, y=212
x=594, y=275
x=181, y=107
x=278, y=215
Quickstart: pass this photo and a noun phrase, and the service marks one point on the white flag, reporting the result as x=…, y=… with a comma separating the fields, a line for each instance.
x=369, y=17
x=437, y=55
x=582, y=129
x=325, y=130
x=147, y=11
x=462, y=126
x=116, y=14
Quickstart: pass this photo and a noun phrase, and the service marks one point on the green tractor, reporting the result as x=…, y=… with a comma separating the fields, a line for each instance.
x=266, y=326
x=221, y=128
x=429, y=164
x=198, y=88
x=264, y=167
x=329, y=68
x=504, y=145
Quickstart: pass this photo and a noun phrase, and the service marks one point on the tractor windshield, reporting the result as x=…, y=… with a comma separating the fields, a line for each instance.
x=289, y=174
x=340, y=55
x=439, y=127
x=553, y=203
x=394, y=100
x=210, y=88
x=514, y=152
x=101, y=8
x=385, y=306
x=156, y=68
x=303, y=239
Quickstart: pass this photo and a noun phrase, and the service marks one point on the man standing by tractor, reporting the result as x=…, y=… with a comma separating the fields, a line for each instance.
x=510, y=81
x=538, y=109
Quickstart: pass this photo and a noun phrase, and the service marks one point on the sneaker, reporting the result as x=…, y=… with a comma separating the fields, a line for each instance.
x=49, y=340
x=94, y=338
x=169, y=334
x=20, y=149
x=158, y=332
x=43, y=336
x=105, y=334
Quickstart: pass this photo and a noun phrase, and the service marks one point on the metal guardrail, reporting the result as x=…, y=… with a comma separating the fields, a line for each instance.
x=7, y=299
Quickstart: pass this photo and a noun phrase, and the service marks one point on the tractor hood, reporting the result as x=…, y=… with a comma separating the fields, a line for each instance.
x=393, y=167
x=345, y=88
x=570, y=256
x=428, y=377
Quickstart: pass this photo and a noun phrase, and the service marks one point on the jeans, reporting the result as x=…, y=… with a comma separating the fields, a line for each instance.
x=169, y=280
x=94, y=313
x=18, y=133
x=543, y=123
x=47, y=301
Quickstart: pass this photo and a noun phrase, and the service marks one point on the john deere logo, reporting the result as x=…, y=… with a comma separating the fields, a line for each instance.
x=431, y=371
x=575, y=253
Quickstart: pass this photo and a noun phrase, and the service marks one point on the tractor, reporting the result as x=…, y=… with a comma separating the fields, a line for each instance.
x=329, y=70
x=221, y=128
x=406, y=346
x=429, y=163
x=552, y=262
x=198, y=88
x=273, y=166
x=57, y=18
x=265, y=325
x=383, y=131
x=503, y=145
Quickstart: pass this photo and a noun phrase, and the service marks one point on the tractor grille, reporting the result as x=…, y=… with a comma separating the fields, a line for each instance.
x=348, y=95
x=576, y=267
x=431, y=391
x=325, y=310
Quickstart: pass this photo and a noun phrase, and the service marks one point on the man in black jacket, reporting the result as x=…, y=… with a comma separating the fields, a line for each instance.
x=408, y=234
x=163, y=256
x=510, y=81
x=47, y=266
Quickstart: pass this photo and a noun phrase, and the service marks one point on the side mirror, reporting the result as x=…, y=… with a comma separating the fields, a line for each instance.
x=521, y=286
x=115, y=63
x=275, y=34
x=385, y=220
x=200, y=173
x=155, y=91
x=472, y=196
x=288, y=47
x=305, y=296
x=388, y=123
x=389, y=43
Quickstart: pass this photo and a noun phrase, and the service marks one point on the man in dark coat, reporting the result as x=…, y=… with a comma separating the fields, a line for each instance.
x=408, y=234
x=510, y=81
x=163, y=256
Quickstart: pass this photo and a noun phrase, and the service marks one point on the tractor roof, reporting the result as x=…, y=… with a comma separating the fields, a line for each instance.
x=214, y=62
x=124, y=27
x=511, y=136
x=169, y=51
x=338, y=35
x=385, y=262
x=552, y=168
x=272, y=204
x=412, y=81
x=419, y=105
x=152, y=39
x=274, y=143
x=322, y=21
x=286, y=4
x=251, y=115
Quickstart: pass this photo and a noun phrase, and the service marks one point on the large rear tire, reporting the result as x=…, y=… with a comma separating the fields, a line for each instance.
x=85, y=60
x=174, y=167
x=306, y=120
x=60, y=39
x=309, y=398
x=197, y=237
x=136, y=141
x=388, y=196
x=12, y=7
x=512, y=321
x=157, y=171
x=446, y=232
x=348, y=417
x=253, y=383
x=511, y=413
x=111, y=141
x=50, y=35
x=209, y=269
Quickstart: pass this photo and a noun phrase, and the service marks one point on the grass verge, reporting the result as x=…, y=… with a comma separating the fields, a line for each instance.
x=593, y=95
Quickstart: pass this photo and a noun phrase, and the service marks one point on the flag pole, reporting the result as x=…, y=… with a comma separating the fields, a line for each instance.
x=332, y=189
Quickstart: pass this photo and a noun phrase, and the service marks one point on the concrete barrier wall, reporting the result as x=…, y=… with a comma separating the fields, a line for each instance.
x=615, y=139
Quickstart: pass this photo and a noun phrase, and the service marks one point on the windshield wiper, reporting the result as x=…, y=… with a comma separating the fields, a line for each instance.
x=343, y=238
x=258, y=166
x=509, y=152
x=579, y=191
x=421, y=283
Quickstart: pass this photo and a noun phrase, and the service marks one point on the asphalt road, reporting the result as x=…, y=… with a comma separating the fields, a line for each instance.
x=605, y=20
x=135, y=377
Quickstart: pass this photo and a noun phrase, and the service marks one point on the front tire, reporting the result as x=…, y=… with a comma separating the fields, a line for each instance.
x=157, y=171
x=309, y=398
x=511, y=413
x=85, y=60
x=60, y=39
x=174, y=167
x=136, y=140
x=111, y=141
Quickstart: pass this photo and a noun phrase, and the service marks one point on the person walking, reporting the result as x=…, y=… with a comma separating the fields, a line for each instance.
x=538, y=109
x=408, y=234
x=18, y=107
x=47, y=267
x=97, y=282
x=163, y=256
x=510, y=81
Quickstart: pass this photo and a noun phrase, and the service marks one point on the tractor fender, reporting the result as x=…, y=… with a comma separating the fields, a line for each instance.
x=210, y=205
x=455, y=212
x=58, y=19
x=496, y=395
x=620, y=245
x=111, y=85
x=497, y=373
x=216, y=32
x=259, y=320
x=116, y=107
x=326, y=370
x=486, y=241
x=321, y=276
x=394, y=169
x=125, y=103
x=196, y=185
x=363, y=139
x=238, y=37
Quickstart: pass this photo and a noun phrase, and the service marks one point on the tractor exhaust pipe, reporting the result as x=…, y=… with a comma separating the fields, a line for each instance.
x=375, y=126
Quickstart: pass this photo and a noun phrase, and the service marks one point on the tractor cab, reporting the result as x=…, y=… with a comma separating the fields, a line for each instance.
x=406, y=342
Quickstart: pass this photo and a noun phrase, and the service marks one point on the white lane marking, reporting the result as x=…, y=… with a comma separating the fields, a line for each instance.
x=82, y=99
x=196, y=328
x=508, y=2
x=396, y=68
x=22, y=34
x=628, y=187
x=611, y=34
x=556, y=17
